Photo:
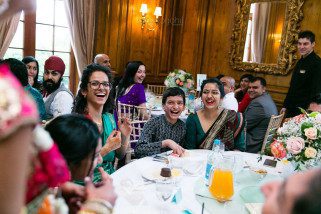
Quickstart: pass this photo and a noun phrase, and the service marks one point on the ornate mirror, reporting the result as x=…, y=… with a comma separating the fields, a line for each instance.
x=265, y=35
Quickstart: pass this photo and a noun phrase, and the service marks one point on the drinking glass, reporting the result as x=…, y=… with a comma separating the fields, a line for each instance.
x=221, y=183
x=164, y=189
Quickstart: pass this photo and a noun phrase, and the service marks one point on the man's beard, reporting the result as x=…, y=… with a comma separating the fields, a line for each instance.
x=52, y=86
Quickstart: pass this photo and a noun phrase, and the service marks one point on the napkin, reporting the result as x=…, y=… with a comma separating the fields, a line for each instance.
x=254, y=208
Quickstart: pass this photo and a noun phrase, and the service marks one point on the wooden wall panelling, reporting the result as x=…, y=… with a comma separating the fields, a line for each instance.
x=201, y=27
x=167, y=43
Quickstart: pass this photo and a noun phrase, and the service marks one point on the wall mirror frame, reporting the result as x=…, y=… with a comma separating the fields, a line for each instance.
x=288, y=45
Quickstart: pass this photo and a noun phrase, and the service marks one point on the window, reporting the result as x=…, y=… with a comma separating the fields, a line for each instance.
x=51, y=36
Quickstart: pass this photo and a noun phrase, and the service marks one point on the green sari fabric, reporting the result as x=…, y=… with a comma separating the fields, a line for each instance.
x=109, y=125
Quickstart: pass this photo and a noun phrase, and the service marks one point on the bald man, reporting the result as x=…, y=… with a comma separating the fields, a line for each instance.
x=103, y=60
x=229, y=100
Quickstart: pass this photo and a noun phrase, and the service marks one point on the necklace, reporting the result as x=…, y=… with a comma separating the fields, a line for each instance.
x=95, y=120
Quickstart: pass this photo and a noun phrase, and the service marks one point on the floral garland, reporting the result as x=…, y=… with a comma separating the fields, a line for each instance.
x=180, y=78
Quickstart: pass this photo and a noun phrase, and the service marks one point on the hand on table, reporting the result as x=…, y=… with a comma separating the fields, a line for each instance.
x=177, y=149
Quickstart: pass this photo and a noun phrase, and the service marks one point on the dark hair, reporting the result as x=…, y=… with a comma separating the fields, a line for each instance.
x=19, y=69
x=219, y=76
x=307, y=34
x=309, y=202
x=261, y=79
x=129, y=76
x=80, y=103
x=75, y=135
x=247, y=76
x=171, y=92
x=215, y=81
x=27, y=60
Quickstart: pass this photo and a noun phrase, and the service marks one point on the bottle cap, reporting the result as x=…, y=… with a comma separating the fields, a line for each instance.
x=217, y=142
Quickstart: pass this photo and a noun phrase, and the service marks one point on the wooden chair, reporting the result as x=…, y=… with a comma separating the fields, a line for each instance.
x=138, y=116
x=156, y=89
x=274, y=124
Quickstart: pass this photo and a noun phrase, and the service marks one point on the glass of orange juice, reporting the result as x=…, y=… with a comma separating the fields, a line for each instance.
x=221, y=183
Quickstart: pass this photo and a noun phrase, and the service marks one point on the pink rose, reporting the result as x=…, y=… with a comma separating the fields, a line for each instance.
x=277, y=149
x=178, y=81
x=299, y=118
x=295, y=145
x=181, y=84
x=311, y=133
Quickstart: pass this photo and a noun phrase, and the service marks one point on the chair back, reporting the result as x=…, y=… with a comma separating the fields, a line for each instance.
x=156, y=89
x=138, y=116
x=134, y=113
x=274, y=124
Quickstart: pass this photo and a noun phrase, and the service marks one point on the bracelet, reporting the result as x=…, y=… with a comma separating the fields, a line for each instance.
x=97, y=206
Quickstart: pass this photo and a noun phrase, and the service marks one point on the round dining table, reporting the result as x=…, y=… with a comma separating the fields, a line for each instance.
x=137, y=194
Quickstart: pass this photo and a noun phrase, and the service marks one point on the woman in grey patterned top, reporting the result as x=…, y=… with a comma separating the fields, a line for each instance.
x=167, y=131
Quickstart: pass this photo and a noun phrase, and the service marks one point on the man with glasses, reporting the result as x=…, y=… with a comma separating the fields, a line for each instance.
x=57, y=97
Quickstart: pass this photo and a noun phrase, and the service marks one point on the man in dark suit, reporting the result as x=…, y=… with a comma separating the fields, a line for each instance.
x=306, y=78
x=258, y=114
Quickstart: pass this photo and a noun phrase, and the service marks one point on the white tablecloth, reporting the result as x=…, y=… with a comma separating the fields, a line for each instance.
x=143, y=198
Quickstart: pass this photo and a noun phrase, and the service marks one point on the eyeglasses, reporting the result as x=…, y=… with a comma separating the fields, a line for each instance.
x=96, y=84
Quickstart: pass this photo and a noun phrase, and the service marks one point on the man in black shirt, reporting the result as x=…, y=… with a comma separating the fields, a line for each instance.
x=306, y=78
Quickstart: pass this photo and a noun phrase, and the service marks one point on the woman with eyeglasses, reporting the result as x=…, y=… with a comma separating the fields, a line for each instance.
x=93, y=100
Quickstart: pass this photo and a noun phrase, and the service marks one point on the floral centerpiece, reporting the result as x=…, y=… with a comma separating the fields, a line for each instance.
x=180, y=78
x=299, y=140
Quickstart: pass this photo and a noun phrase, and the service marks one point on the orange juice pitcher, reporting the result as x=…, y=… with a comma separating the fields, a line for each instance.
x=221, y=183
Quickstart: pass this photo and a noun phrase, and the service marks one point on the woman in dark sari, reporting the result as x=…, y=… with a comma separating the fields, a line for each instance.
x=214, y=122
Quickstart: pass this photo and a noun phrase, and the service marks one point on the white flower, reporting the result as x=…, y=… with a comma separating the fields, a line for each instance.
x=311, y=133
x=172, y=74
x=310, y=152
x=182, y=72
x=318, y=119
x=166, y=82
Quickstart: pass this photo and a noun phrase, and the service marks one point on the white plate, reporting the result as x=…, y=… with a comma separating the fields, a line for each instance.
x=153, y=174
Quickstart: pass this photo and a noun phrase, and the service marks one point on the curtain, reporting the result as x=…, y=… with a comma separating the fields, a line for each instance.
x=81, y=19
x=260, y=24
x=8, y=29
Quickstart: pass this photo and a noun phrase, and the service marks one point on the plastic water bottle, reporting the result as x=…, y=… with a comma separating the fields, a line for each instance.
x=211, y=159
x=215, y=155
x=209, y=164
x=217, y=146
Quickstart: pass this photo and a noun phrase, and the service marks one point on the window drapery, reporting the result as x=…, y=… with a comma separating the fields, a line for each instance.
x=81, y=20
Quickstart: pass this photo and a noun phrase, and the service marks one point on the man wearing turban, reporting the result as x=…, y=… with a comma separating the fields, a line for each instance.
x=57, y=97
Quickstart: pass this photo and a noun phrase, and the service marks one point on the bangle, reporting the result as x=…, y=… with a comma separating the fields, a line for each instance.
x=97, y=206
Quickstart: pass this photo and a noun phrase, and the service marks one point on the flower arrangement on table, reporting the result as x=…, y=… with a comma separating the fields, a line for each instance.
x=180, y=78
x=299, y=140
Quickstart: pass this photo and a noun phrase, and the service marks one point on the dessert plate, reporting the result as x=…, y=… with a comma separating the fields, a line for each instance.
x=153, y=174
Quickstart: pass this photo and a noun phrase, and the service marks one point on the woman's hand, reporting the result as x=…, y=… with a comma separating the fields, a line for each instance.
x=177, y=149
x=113, y=142
x=105, y=191
x=74, y=195
x=124, y=126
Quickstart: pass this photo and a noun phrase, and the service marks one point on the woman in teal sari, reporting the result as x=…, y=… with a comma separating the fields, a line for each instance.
x=93, y=100
x=214, y=122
